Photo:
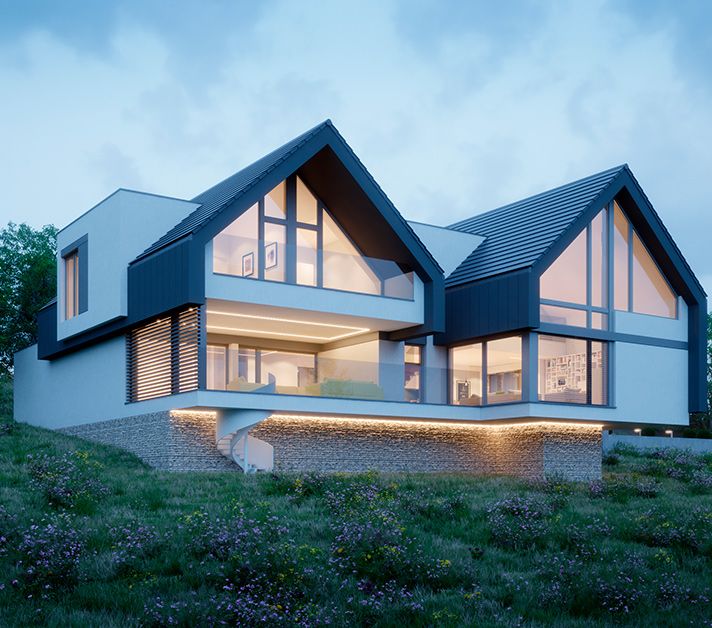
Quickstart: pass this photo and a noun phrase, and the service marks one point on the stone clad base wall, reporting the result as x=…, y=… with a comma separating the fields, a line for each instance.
x=172, y=443
x=186, y=442
x=527, y=450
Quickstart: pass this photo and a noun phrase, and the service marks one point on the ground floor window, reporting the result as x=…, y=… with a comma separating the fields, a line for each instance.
x=498, y=363
x=572, y=370
x=241, y=368
x=413, y=372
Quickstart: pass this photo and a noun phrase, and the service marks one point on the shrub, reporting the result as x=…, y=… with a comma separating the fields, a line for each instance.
x=66, y=481
x=8, y=530
x=611, y=459
x=131, y=543
x=517, y=522
x=49, y=556
x=622, y=488
x=689, y=530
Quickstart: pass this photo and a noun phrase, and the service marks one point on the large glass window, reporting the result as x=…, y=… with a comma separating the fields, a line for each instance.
x=579, y=278
x=275, y=252
x=466, y=375
x=599, y=260
x=413, y=357
x=651, y=293
x=574, y=290
x=71, y=285
x=299, y=241
x=504, y=370
x=306, y=204
x=489, y=372
x=307, y=257
x=235, y=249
x=342, y=259
x=557, y=315
x=563, y=369
x=572, y=370
x=276, y=202
x=565, y=279
x=621, y=231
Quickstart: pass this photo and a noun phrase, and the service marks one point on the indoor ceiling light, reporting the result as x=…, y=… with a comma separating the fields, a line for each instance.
x=352, y=331
x=287, y=334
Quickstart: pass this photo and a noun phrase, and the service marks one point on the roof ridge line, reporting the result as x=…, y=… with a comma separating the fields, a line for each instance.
x=539, y=194
x=622, y=168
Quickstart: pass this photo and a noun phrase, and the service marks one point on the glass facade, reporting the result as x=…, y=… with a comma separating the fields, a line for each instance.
x=651, y=293
x=466, y=375
x=497, y=362
x=303, y=244
x=572, y=370
x=71, y=285
x=413, y=361
x=504, y=370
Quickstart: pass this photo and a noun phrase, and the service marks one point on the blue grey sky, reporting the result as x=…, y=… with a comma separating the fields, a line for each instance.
x=455, y=107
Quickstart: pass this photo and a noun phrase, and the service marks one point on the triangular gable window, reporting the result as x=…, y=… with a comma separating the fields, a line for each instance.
x=574, y=289
x=302, y=244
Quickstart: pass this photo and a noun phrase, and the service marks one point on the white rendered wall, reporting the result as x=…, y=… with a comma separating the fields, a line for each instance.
x=244, y=290
x=449, y=247
x=435, y=365
x=119, y=228
x=83, y=387
x=651, y=384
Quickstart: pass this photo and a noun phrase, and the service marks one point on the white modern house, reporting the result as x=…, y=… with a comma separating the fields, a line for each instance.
x=290, y=318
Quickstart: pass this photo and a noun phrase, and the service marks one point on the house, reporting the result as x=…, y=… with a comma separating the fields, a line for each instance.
x=290, y=318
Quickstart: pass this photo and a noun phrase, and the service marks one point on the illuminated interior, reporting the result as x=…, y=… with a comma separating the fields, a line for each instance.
x=303, y=244
x=253, y=348
x=574, y=289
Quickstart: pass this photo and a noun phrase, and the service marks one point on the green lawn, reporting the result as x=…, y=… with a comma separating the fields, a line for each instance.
x=89, y=536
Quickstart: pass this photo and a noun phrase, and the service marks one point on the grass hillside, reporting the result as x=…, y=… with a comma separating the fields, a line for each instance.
x=89, y=536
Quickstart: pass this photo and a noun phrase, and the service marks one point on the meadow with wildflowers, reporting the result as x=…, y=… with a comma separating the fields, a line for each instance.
x=90, y=536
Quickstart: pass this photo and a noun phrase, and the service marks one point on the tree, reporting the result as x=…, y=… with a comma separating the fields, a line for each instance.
x=28, y=281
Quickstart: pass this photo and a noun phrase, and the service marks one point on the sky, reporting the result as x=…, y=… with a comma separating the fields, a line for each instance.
x=454, y=107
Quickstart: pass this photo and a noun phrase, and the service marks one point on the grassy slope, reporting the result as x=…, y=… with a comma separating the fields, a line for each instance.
x=561, y=557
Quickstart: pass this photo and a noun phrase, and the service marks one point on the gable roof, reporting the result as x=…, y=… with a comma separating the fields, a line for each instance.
x=519, y=234
x=218, y=197
x=213, y=199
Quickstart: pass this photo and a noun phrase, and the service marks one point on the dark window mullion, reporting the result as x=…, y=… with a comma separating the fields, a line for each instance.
x=261, y=239
x=319, y=245
x=484, y=374
x=291, y=235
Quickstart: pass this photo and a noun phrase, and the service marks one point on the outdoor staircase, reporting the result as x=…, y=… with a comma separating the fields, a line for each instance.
x=234, y=442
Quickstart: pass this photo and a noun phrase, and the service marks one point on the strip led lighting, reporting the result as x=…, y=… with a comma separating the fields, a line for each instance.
x=355, y=331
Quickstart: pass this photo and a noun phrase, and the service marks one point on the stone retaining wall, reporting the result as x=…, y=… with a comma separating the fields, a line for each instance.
x=528, y=450
x=184, y=442
x=187, y=443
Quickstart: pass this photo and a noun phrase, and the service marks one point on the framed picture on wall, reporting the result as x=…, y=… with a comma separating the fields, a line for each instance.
x=248, y=264
x=271, y=255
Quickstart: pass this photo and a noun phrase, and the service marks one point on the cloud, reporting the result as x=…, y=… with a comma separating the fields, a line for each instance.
x=454, y=108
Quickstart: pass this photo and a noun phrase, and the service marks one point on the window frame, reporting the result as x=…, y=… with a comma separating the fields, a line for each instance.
x=78, y=252
x=609, y=255
x=485, y=374
x=292, y=225
x=606, y=348
x=420, y=367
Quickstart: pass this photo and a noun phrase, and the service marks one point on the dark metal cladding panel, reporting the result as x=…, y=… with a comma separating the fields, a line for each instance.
x=488, y=307
x=47, y=331
x=517, y=235
x=171, y=278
